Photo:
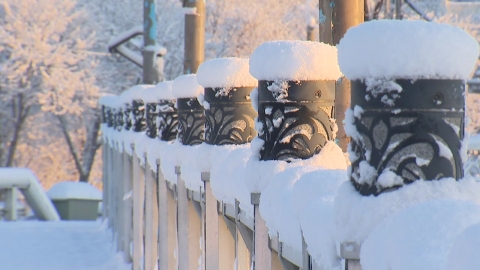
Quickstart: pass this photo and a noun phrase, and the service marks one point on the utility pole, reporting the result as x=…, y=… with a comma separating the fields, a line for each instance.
x=150, y=73
x=346, y=14
x=194, y=35
x=398, y=9
x=325, y=21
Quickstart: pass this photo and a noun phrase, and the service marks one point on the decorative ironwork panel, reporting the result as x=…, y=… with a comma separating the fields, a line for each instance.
x=127, y=122
x=191, y=130
x=118, y=119
x=297, y=121
x=162, y=120
x=230, y=116
x=137, y=116
x=414, y=133
x=110, y=116
x=104, y=114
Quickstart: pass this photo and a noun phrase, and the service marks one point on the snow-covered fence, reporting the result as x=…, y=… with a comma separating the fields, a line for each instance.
x=406, y=122
x=284, y=200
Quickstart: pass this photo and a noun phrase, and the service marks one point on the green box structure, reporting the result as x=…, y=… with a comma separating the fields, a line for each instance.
x=77, y=209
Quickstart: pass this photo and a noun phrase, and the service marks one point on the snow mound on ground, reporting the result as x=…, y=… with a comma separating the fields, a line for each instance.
x=390, y=49
x=356, y=215
x=464, y=252
x=74, y=190
x=419, y=237
x=312, y=203
x=295, y=61
x=225, y=72
x=186, y=86
x=161, y=91
x=134, y=93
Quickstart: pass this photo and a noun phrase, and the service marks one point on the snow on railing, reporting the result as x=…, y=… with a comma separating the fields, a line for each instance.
x=221, y=196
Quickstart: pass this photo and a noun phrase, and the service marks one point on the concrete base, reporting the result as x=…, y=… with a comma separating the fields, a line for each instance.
x=76, y=209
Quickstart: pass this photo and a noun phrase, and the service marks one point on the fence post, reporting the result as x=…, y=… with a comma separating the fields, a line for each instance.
x=138, y=203
x=190, y=132
x=151, y=218
x=228, y=97
x=406, y=124
x=295, y=113
x=127, y=200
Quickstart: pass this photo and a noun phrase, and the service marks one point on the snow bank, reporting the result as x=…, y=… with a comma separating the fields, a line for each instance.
x=161, y=91
x=276, y=198
x=74, y=190
x=134, y=93
x=464, y=252
x=186, y=86
x=225, y=72
x=312, y=204
x=356, y=216
x=419, y=237
x=390, y=49
x=72, y=245
x=295, y=60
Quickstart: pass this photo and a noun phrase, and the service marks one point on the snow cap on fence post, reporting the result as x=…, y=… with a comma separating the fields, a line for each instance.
x=407, y=104
x=160, y=112
x=228, y=109
x=133, y=103
x=191, y=119
x=296, y=94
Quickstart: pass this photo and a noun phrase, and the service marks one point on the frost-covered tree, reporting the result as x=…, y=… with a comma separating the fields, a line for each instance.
x=45, y=68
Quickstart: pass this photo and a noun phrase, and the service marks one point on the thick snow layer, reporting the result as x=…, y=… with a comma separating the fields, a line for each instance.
x=186, y=86
x=312, y=203
x=390, y=49
x=464, y=252
x=154, y=150
x=161, y=91
x=190, y=174
x=74, y=190
x=356, y=215
x=295, y=61
x=134, y=93
x=225, y=72
x=72, y=245
x=111, y=101
x=419, y=237
x=171, y=156
x=231, y=161
x=259, y=173
x=276, y=198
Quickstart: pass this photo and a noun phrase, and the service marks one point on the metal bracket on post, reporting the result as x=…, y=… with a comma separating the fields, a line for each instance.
x=350, y=251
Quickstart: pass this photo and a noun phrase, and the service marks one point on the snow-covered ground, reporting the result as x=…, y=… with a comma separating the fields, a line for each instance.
x=63, y=245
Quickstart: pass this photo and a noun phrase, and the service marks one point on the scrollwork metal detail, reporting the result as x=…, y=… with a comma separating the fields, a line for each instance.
x=137, y=116
x=411, y=141
x=162, y=120
x=229, y=118
x=299, y=127
x=191, y=130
